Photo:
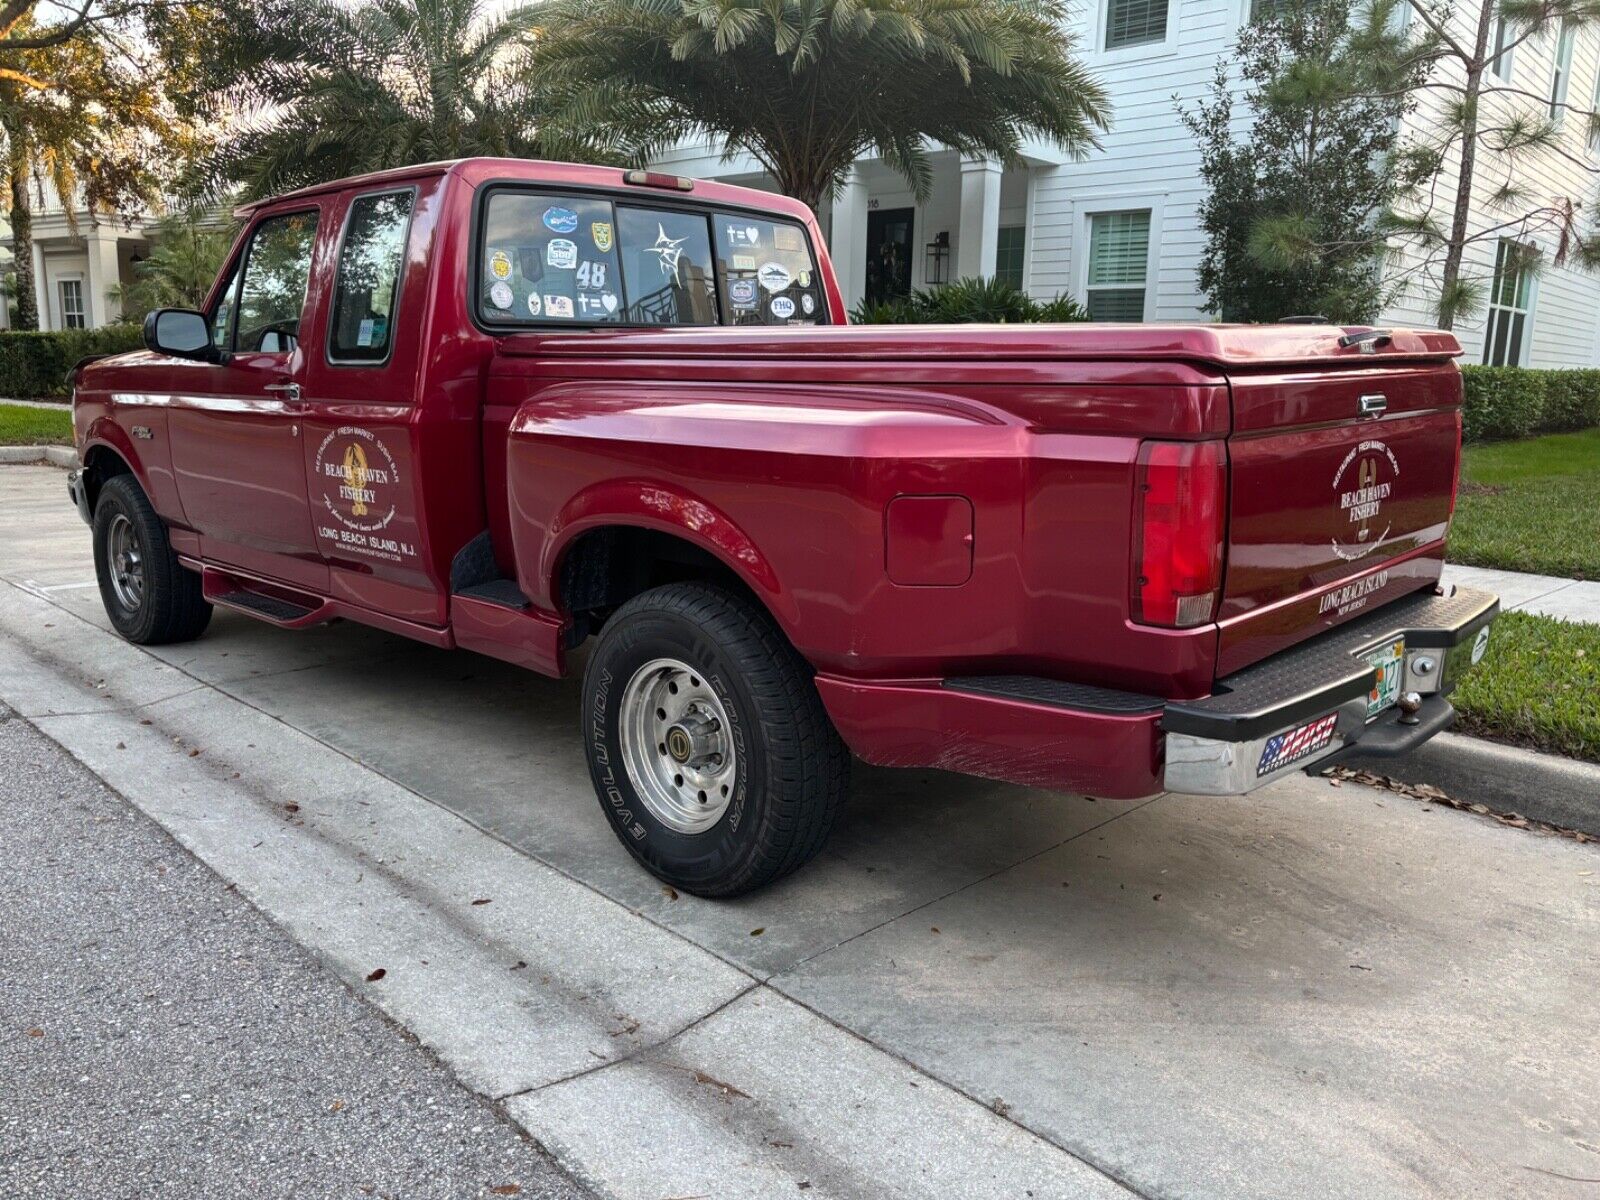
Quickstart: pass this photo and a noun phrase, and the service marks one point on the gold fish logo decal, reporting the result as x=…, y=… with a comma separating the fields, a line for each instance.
x=355, y=479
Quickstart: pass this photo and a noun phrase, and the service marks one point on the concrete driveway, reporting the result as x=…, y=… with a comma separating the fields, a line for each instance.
x=977, y=990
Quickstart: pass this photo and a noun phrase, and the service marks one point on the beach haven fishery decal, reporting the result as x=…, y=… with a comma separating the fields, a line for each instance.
x=1364, y=480
x=360, y=488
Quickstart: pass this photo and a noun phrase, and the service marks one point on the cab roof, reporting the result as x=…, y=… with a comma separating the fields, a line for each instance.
x=476, y=172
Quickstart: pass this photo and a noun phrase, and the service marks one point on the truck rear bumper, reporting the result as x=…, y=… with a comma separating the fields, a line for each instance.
x=1297, y=709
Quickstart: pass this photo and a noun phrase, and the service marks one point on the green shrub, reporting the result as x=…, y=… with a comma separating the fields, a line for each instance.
x=35, y=365
x=966, y=302
x=1503, y=402
x=1571, y=400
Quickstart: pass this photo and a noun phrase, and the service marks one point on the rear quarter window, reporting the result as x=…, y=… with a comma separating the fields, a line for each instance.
x=767, y=271
x=549, y=259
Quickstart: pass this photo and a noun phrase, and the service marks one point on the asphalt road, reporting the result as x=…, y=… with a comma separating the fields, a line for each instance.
x=159, y=1036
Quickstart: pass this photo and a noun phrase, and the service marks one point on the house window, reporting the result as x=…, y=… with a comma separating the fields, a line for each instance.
x=1505, y=339
x=1594, y=106
x=1008, y=255
x=1500, y=64
x=1563, y=72
x=72, y=316
x=1119, y=253
x=1267, y=10
x=1135, y=22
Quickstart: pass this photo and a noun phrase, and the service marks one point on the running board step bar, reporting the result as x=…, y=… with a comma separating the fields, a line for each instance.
x=228, y=591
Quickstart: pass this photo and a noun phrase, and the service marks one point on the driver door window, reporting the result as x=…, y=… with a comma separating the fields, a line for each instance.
x=272, y=295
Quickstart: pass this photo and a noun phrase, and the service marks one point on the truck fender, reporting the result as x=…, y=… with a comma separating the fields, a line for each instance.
x=652, y=504
x=106, y=436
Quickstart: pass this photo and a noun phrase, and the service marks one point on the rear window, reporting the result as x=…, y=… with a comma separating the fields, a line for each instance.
x=552, y=259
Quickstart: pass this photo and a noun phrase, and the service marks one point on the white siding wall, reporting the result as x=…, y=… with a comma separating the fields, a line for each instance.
x=1566, y=301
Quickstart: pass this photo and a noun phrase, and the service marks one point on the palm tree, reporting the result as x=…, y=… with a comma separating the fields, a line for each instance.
x=185, y=255
x=340, y=90
x=807, y=86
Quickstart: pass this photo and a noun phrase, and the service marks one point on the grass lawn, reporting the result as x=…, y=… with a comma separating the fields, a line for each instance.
x=24, y=426
x=1538, y=686
x=1531, y=506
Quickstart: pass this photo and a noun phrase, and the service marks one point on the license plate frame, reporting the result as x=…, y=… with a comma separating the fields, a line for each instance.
x=1390, y=661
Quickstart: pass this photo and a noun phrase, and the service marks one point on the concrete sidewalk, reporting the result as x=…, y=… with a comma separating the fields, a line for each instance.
x=1543, y=595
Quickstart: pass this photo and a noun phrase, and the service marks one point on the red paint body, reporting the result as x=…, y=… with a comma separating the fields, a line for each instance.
x=789, y=455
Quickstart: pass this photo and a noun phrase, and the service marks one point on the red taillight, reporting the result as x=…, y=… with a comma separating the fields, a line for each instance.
x=1177, y=552
x=1455, y=476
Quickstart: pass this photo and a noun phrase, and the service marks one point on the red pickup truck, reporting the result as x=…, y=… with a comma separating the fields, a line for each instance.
x=524, y=408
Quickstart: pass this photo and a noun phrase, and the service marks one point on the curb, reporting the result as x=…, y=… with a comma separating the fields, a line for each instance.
x=55, y=456
x=1544, y=787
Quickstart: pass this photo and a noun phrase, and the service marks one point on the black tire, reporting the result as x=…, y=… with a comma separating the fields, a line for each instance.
x=169, y=606
x=790, y=769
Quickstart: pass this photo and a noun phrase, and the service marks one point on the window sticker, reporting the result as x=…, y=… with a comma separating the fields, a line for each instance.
x=561, y=254
x=534, y=307
x=558, y=306
x=782, y=307
x=742, y=293
x=774, y=276
x=600, y=231
x=500, y=265
x=808, y=304
x=500, y=295
x=742, y=234
x=786, y=237
x=560, y=220
x=744, y=262
x=591, y=275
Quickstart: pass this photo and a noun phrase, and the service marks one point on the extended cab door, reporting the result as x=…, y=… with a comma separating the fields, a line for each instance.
x=375, y=453
x=235, y=427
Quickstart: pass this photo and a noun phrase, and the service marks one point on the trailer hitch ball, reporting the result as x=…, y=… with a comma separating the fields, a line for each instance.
x=1409, y=704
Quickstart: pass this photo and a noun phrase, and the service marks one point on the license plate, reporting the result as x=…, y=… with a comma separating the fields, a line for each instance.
x=1390, y=661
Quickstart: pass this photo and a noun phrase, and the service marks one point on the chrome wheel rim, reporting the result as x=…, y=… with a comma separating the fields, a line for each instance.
x=125, y=562
x=677, y=745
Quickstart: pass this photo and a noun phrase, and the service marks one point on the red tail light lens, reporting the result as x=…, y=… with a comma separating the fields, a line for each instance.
x=1177, y=552
x=1455, y=476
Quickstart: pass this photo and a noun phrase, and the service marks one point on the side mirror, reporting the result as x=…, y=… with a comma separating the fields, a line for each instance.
x=181, y=333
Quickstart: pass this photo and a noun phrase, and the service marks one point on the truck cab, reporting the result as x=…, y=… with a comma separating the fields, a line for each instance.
x=522, y=408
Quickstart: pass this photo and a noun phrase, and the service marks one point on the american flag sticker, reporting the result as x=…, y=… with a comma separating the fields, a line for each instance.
x=1284, y=748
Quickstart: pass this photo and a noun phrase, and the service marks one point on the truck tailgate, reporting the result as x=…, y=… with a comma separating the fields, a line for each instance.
x=1341, y=480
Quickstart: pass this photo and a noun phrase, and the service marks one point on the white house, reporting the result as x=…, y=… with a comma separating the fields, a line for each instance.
x=1118, y=231
x=79, y=267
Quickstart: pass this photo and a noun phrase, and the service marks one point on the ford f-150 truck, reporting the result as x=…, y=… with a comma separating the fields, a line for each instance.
x=523, y=407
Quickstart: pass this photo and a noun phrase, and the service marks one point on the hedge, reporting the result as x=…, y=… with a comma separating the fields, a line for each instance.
x=1518, y=402
x=35, y=365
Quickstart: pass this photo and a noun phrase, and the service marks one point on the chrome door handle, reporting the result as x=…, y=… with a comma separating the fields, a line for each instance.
x=291, y=391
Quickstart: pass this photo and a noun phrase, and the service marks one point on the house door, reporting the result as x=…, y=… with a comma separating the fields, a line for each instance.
x=889, y=254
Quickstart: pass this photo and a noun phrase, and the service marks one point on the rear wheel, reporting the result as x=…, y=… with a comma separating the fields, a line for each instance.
x=149, y=597
x=707, y=743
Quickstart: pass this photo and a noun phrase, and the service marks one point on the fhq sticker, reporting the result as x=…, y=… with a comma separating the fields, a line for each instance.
x=360, y=491
x=560, y=220
x=808, y=304
x=600, y=231
x=561, y=254
x=782, y=307
x=534, y=307
x=500, y=265
x=742, y=293
x=557, y=306
x=774, y=276
x=500, y=295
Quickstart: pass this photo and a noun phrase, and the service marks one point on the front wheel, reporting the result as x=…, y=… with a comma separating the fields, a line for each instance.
x=149, y=597
x=707, y=743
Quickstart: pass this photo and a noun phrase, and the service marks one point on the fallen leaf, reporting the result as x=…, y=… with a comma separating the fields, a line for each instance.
x=147, y=721
x=521, y=966
x=483, y=900
x=758, y=931
x=336, y=1106
x=670, y=892
x=934, y=928
x=194, y=754
x=35, y=1032
x=727, y=1089
x=1359, y=967
x=122, y=745
x=505, y=1189
x=376, y=975
x=291, y=807
x=1157, y=896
